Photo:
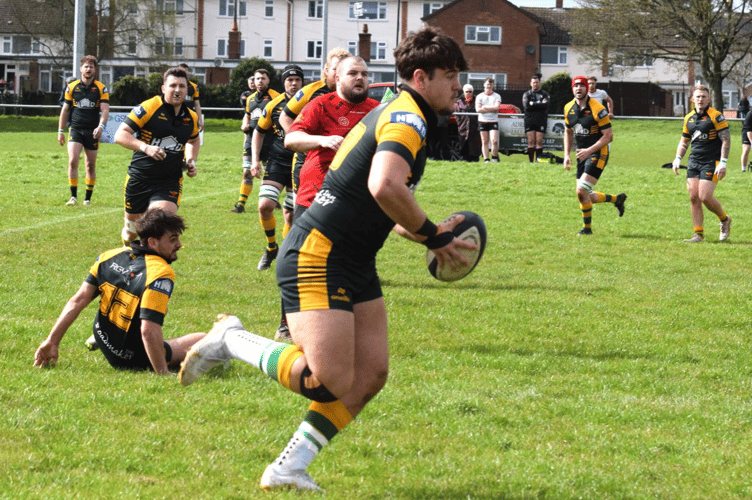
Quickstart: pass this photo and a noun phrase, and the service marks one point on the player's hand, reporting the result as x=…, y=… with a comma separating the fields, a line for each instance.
x=567, y=161
x=97, y=133
x=155, y=152
x=582, y=154
x=61, y=138
x=675, y=165
x=256, y=170
x=46, y=356
x=191, y=171
x=720, y=171
x=449, y=253
x=332, y=142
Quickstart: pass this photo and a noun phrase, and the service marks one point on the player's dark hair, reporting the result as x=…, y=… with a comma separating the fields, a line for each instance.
x=184, y=66
x=176, y=72
x=156, y=222
x=428, y=49
x=262, y=71
x=89, y=59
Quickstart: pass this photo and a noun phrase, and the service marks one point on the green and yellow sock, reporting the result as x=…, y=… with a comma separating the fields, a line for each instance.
x=89, y=188
x=587, y=215
x=270, y=227
x=73, y=183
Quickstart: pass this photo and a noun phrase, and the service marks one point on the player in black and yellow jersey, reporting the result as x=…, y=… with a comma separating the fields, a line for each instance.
x=167, y=132
x=87, y=108
x=254, y=106
x=134, y=286
x=278, y=171
x=707, y=131
x=327, y=266
x=588, y=125
x=192, y=97
x=327, y=84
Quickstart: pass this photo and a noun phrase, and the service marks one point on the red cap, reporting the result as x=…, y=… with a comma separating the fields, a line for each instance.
x=580, y=79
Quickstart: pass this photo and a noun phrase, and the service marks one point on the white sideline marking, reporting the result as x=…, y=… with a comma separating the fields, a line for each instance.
x=59, y=220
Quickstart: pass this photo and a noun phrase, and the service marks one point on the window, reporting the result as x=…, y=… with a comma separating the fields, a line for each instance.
x=175, y=6
x=315, y=9
x=642, y=60
x=132, y=8
x=167, y=46
x=314, y=49
x=352, y=48
x=477, y=79
x=367, y=10
x=269, y=8
x=227, y=8
x=268, y=49
x=132, y=45
x=431, y=7
x=378, y=51
x=199, y=74
x=490, y=35
x=105, y=75
x=45, y=80
x=102, y=7
x=223, y=47
x=552, y=54
x=7, y=41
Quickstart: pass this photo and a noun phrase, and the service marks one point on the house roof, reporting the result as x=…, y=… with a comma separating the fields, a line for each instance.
x=556, y=24
x=24, y=17
x=456, y=2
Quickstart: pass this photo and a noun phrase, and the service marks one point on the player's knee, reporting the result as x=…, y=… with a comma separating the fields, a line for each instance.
x=289, y=204
x=311, y=388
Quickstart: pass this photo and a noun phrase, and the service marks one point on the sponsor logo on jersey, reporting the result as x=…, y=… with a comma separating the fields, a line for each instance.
x=86, y=103
x=163, y=285
x=325, y=198
x=299, y=95
x=139, y=111
x=602, y=114
x=411, y=119
x=342, y=295
x=118, y=268
x=343, y=121
x=169, y=143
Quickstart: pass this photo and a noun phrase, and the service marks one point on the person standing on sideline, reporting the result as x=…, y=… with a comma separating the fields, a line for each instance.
x=254, y=106
x=588, y=124
x=535, y=103
x=192, y=97
x=707, y=131
x=134, y=286
x=742, y=108
x=278, y=172
x=87, y=106
x=487, y=104
x=467, y=125
x=601, y=96
x=746, y=140
x=327, y=268
x=167, y=132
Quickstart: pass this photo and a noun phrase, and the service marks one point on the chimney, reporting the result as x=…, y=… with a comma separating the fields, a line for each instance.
x=364, y=44
x=559, y=4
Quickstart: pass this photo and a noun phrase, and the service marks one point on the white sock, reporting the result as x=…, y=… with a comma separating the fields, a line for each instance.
x=249, y=347
x=302, y=448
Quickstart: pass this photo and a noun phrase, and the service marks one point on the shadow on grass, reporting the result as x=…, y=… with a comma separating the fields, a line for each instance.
x=426, y=492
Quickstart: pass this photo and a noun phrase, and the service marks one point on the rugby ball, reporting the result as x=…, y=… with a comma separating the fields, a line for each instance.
x=471, y=229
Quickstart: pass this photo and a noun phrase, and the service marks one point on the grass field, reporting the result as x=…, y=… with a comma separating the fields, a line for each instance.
x=611, y=367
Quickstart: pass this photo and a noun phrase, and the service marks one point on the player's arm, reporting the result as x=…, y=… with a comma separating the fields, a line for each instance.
x=47, y=353
x=257, y=141
x=610, y=106
x=105, y=108
x=151, y=334
x=606, y=138
x=285, y=121
x=199, y=114
x=725, y=136
x=126, y=138
x=386, y=183
x=191, y=155
x=246, y=124
x=301, y=141
x=568, y=141
x=680, y=150
x=64, y=112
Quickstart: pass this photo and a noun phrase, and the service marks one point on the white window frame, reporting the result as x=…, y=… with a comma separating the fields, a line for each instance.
x=224, y=45
x=382, y=12
x=175, y=44
x=105, y=75
x=170, y=6
x=352, y=48
x=431, y=7
x=226, y=8
x=477, y=79
x=7, y=44
x=314, y=49
x=562, y=55
x=319, y=13
x=473, y=30
x=267, y=44
x=378, y=48
x=132, y=40
x=269, y=9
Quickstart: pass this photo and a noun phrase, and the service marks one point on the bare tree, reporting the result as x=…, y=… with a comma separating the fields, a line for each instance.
x=714, y=34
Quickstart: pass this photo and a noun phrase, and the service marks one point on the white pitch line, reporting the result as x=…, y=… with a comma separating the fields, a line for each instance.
x=60, y=220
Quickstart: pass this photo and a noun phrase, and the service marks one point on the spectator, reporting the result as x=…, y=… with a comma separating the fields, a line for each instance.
x=601, y=96
x=467, y=125
x=743, y=108
x=487, y=104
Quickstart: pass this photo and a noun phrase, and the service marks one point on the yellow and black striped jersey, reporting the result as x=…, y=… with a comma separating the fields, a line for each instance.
x=155, y=123
x=269, y=122
x=255, y=105
x=191, y=95
x=134, y=284
x=85, y=101
x=587, y=123
x=303, y=96
x=702, y=131
x=344, y=210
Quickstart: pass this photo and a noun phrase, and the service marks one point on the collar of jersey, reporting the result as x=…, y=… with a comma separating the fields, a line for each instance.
x=428, y=114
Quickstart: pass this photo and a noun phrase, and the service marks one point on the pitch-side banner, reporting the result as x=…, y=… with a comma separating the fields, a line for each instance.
x=512, y=134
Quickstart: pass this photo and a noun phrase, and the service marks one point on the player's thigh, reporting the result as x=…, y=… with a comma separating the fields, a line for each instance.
x=327, y=337
x=91, y=156
x=74, y=150
x=371, y=344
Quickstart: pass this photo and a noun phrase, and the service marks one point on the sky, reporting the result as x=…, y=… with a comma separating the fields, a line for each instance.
x=542, y=3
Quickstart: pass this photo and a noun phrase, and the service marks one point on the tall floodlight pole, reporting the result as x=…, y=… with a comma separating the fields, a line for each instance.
x=325, y=34
x=79, y=34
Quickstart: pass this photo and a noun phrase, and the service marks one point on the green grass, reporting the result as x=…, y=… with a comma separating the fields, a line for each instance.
x=616, y=366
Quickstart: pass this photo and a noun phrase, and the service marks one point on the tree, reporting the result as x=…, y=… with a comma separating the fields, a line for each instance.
x=559, y=88
x=113, y=27
x=246, y=68
x=715, y=34
x=128, y=91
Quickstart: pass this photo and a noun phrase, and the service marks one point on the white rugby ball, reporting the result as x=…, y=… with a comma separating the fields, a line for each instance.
x=471, y=229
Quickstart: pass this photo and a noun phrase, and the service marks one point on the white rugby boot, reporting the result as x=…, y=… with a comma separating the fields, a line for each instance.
x=209, y=351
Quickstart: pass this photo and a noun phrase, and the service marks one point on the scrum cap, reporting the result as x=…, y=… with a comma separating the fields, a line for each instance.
x=579, y=79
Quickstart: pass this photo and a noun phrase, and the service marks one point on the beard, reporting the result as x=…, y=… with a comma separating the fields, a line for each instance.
x=355, y=96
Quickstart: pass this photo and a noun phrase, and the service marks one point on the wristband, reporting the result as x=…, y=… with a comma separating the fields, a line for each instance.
x=678, y=157
x=723, y=162
x=439, y=240
x=101, y=125
x=143, y=147
x=60, y=131
x=428, y=229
